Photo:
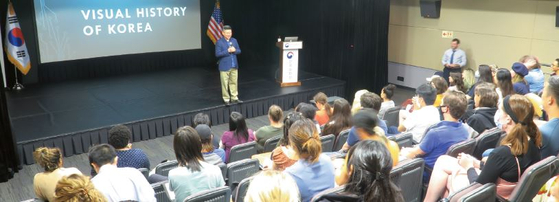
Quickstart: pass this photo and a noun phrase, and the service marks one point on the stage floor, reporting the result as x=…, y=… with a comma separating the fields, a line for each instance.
x=59, y=114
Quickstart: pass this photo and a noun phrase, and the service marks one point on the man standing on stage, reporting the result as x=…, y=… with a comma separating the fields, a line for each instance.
x=453, y=59
x=226, y=51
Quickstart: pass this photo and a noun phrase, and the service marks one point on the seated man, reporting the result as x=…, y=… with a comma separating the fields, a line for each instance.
x=119, y=138
x=443, y=135
x=211, y=155
x=117, y=184
x=550, y=130
x=275, y=114
x=485, y=102
x=370, y=101
x=309, y=112
x=365, y=123
x=424, y=114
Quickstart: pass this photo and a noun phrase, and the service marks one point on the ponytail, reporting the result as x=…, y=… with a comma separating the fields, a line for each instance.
x=328, y=109
x=521, y=111
x=312, y=147
x=48, y=158
x=304, y=139
x=380, y=190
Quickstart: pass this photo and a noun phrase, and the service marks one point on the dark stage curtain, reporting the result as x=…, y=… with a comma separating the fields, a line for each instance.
x=9, y=161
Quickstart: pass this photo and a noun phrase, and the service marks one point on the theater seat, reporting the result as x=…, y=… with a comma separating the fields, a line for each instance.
x=239, y=170
x=487, y=140
x=341, y=140
x=392, y=116
x=466, y=146
x=474, y=193
x=144, y=172
x=327, y=142
x=160, y=193
x=320, y=196
x=271, y=143
x=242, y=188
x=403, y=139
x=396, y=175
x=533, y=179
x=242, y=151
x=221, y=194
x=164, y=168
x=411, y=180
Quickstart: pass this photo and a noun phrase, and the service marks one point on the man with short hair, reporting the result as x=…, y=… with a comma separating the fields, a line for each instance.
x=226, y=51
x=485, y=102
x=453, y=59
x=550, y=130
x=445, y=134
x=555, y=67
x=211, y=155
x=275, y=115
x=117, y=184
x=308, y=111
x=119, y=138
x=424, y=114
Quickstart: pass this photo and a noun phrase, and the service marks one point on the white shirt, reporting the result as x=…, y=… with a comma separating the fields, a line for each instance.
x=385, y=106
x=419, y=120
x=122, y=184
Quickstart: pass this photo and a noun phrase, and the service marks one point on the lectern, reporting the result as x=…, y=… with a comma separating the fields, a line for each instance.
x=289, y=63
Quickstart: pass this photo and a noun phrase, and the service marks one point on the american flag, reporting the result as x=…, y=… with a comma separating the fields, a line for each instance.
x=216, y=24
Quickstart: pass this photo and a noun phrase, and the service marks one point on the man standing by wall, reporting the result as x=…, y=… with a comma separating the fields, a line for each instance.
x=226, y=51
x=453, y=59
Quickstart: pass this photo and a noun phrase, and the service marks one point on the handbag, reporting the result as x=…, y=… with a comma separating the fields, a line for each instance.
x=505, y=188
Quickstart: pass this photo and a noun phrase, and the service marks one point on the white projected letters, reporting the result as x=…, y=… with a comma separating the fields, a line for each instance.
x=127, y=28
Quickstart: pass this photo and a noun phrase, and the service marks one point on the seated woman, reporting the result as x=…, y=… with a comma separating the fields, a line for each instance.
x=77, y=188
x=366, y=175
x=456, y=82
x=193, y=174
x=238, y=133
x=519, y=84
x=324, y=110
x=504, y=166
x=440, y=84
x=365, y=124
x=340, y=120
x=313, y=172
x=271, y=185
x=282, y=156
x=44, y=183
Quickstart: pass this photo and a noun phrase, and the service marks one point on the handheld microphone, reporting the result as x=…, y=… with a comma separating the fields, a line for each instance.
x=230, y=44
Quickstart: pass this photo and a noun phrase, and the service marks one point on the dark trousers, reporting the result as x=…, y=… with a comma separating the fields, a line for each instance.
x=447, y=71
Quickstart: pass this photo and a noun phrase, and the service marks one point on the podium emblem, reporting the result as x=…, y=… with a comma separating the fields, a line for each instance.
x=289, y=55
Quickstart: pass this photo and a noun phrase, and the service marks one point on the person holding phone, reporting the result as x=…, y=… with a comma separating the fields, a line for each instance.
x=424, y=113
x=226, y=51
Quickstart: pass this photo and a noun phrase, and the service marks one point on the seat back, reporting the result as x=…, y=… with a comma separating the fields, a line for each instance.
x=223, y=168
x=271, y=143
x=144, y=172
x=221, y=194
x=341, y=140
x=238, y=171
x=466, y=146
x=242, y=151
x=327, y=142
x=160, y=194
x=396, y=175
x=392, y=116
x=242, y=189
x=487, y=140
x=320, y=195
x=534, y=178
x=474, y=193
x=403, y=139
x=164, y=168
x=411, y=180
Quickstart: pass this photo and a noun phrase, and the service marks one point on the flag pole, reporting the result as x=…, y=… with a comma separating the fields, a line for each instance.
x=17, y=86
x=2, y=64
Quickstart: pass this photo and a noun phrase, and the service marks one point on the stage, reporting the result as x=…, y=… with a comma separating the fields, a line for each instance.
x=77, y=114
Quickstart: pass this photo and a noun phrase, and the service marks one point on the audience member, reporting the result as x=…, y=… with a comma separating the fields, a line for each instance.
x=555, y=67
x=441, y=85
x=211, y=155
x=537, y=103
x=372, y=101
x=117, y=184
x=202, y=118
x=271, y=185
x=238, y=133
x=535, y=77
x=485, y=75
x=309, y=112
x=313, y=172
x=456, y=82
x=44, y=183
x=519, y=71
x=485, y=102
x=549, y=191
x=365, y=124
x=366, y=175
x=324, y=111
x=282, y=156
x=453, y=59
x=193, y=175
x=424, y=113
x=341, y=118
x=519, y=150
x=77, y=188
x=503, y=80
x=356, y=106
x=119, y=138
x=275, y=114
x=550, y=130
x=446, y=133
x=468, y=76
x=386, y=94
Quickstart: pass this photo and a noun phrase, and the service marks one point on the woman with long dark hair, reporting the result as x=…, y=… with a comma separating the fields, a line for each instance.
x=366, y=174
x=456, y=82
x=340, y=120
x=485, y=75
x=193, y=174
x=503, y=80
x=238, y=133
